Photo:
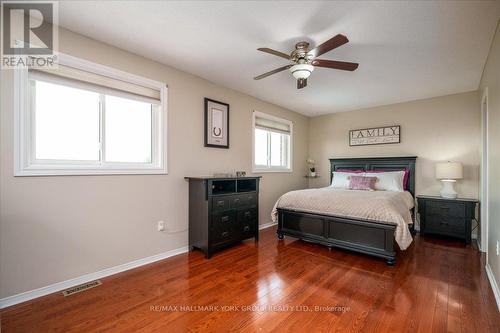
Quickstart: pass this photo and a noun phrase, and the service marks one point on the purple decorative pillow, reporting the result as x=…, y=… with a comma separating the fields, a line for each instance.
x=406, y=179
x=362, y=183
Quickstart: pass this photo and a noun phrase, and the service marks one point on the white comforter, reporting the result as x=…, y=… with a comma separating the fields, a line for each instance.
x=382, y=206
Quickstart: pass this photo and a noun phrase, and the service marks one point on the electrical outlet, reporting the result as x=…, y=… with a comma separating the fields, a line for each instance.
x=161, y=226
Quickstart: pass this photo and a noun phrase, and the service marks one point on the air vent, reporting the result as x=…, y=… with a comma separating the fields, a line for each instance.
x=82, y=287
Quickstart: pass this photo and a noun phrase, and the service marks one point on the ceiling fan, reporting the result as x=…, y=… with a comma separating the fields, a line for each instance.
x=304, y=60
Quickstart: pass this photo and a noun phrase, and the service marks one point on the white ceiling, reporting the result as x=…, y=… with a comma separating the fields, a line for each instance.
x=406, y=50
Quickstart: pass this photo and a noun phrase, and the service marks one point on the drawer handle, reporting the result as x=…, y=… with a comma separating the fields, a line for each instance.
x=220, y=203
x=225, y=234
x=443, y=223
x=225, y=218
x=444, y=208
x=246, y=228
x=247, y=214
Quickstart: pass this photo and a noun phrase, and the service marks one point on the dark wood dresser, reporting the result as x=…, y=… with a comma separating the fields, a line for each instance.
x=447, y=217
x=222, y=212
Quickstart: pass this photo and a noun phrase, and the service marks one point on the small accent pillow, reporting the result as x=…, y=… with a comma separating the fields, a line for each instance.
x=362, y=183
x=340, y=180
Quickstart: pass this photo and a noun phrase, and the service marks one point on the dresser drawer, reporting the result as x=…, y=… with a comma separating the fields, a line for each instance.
x=447, y=209
x=221, y=203
x=445, y=225
x=247, y=221
x=224, y=226
x=244, y=200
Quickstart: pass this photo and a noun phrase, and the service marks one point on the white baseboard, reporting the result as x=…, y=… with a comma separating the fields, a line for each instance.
x=267, y=225
x=29, y=295
x=494, y=285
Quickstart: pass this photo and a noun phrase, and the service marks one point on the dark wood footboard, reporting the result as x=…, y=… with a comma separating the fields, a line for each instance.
x=368, y=237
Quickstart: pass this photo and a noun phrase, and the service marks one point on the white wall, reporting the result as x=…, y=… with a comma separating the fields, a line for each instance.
x=490, y=80
x=57, y=228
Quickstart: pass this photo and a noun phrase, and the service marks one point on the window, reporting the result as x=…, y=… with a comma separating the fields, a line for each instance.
x=272, y=143
x=84, y=118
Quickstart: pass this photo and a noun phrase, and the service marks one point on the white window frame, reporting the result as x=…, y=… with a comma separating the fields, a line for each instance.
x=25, y=163
x=268, y=169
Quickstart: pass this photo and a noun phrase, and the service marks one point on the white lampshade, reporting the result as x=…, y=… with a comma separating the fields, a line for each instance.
x=301, y=71
x=449, y=170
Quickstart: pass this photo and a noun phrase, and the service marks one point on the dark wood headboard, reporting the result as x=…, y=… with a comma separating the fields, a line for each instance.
x=377, y=163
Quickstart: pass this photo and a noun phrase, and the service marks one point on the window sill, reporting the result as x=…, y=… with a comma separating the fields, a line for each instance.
x=272, y=171
x=87, y=172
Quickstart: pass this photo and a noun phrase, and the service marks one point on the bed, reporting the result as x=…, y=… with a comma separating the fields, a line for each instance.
x=364, y=235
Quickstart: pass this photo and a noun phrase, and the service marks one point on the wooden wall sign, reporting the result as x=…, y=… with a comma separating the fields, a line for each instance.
x=375, y=136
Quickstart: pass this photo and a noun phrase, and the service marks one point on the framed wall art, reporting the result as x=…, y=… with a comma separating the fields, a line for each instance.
x=216, y=124
x=375, y=136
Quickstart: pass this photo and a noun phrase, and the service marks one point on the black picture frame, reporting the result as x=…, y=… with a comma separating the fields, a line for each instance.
x=206, y=131
x=378, y=143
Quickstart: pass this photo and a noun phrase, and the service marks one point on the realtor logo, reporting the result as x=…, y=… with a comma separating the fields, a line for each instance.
x=29, y=34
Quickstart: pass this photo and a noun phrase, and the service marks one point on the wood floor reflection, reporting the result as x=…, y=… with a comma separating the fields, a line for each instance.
x=437, y=285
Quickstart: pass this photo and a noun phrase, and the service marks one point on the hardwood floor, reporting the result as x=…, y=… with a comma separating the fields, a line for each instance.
x=436, y=286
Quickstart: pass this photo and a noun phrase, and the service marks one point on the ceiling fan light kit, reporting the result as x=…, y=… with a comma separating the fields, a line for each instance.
x=301, y=71
x=304, y=60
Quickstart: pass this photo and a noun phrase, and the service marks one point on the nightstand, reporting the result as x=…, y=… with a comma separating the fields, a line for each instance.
x=447, y=217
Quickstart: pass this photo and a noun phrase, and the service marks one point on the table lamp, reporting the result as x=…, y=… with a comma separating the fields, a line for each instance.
x=448, y=173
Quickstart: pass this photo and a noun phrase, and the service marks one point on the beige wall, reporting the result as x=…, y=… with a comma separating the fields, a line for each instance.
x=490, y=80
x=57, y=228
x=435, y=129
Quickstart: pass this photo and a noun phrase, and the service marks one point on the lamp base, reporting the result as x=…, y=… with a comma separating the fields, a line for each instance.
x=448, y=191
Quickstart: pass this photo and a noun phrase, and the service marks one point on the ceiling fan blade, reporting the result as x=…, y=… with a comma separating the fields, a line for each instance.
x=301, y=83
x=329, y=45
x=274, y=71
x=274, y=52
x=346, y=66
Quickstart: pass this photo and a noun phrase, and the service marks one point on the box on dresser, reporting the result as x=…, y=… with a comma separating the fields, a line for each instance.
x=222, y=211
x=447, y=217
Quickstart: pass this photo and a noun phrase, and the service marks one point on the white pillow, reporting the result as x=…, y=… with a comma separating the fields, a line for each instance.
x=388, y=181
x=341, y=179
